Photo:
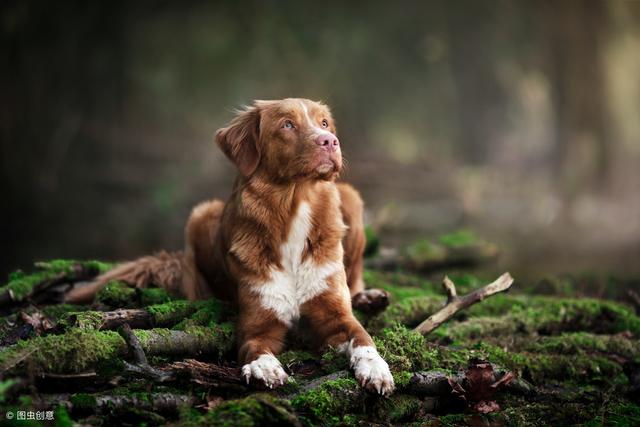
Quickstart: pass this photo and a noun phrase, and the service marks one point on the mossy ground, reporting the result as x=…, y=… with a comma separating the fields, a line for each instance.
x=581, y=355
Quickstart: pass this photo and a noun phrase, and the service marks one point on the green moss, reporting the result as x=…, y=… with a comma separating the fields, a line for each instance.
x=20, y=284
x=542, y=315
x=499, y=305
x=423, y=250
x=69, y=265
x=83, y=401
x=190, y=417
x=540, y=368
x=62, y=418
x=373, y=242
x=75, y=351
x=208, y=313
x=452, y=420
x=399, y=285
x=331, y=400
x=290, y=357
x=583, y=343
x=151, y=296
x=401, y=378
x=459, y=238
x=619, y=413
x=86, y=320
x=565, y=408
x=5, y=386
x=117, y=294
x=166, y=314
x=410, y=312
x=396, y=408
x=405, y=350
x=172, y=312
x=556, y=315
x=255, y=410
x=216, y=340
x=605, y=285
x=333, y=360
x=58, y=311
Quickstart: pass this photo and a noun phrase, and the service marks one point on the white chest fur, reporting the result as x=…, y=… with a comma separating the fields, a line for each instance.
x=297, y=281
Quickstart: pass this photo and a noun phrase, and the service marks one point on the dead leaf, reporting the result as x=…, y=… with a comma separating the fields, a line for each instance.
x=38, y=321
x=456, y=389
x=478, y=386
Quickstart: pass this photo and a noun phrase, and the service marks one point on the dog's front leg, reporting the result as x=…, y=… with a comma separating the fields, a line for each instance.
x=261, y=337
x=333, y=321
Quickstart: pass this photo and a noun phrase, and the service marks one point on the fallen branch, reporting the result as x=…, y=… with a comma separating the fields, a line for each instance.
x=141, y=365
x=456, y=303
x=48, y=285
x=106, y=403
x=79, y=350
x=160, y=315
x=207, y=373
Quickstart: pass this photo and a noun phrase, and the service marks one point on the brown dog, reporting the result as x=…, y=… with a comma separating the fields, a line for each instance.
x=288, y=244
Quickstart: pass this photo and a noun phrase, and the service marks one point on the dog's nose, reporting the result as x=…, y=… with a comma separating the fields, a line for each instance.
x=328, y=140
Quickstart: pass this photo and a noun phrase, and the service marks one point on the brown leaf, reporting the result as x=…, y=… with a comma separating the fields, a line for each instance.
x=479, y=381
x=479, y=385
x=37, y=320
x=457, y=389
x=506, y=379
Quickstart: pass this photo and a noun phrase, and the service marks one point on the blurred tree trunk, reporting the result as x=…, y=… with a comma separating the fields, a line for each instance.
x=574, y=32
x=62, y=70
x=480, y=98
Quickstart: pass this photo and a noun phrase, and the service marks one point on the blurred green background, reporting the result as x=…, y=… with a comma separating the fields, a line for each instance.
x=517, y=119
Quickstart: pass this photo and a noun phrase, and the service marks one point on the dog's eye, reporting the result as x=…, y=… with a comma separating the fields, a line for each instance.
x=288, y=125
x=325, y=123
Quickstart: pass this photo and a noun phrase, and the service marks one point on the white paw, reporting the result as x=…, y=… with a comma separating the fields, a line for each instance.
x=267, y=369
x=371, y=371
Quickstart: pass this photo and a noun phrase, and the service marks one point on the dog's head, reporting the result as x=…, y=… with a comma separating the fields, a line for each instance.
x=285, y=140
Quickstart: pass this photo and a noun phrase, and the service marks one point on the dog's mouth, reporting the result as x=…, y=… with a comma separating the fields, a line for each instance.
x=327, y=163
x=326, y=166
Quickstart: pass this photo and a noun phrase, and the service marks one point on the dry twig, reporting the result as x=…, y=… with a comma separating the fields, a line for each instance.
x=456, y=303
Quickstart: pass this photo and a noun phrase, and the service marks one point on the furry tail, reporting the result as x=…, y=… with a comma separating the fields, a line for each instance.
x=163, y=269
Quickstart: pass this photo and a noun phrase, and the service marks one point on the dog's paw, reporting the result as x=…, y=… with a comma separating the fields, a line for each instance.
x=266, y=369
x=371, y=371
x=371, y=301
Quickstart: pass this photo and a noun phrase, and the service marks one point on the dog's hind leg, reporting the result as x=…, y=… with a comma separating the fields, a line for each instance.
x=204, y=276
x=178, y=272
x=354, y=241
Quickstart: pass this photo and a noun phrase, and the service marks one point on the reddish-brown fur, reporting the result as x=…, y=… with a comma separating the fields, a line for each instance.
x=233, y=248
x=256, y=221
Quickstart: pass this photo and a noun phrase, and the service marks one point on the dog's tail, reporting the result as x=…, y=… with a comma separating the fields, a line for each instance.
x=166, y=270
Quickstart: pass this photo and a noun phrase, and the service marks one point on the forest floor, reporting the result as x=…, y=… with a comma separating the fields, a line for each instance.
x=544, y=353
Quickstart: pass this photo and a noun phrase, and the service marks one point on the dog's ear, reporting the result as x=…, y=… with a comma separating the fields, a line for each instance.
x=239, y=140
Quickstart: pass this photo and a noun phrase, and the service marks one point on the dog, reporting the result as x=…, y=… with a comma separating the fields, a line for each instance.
x=287, y=245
